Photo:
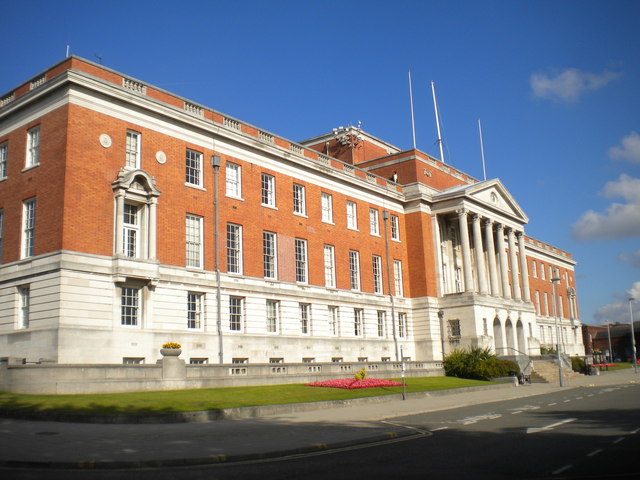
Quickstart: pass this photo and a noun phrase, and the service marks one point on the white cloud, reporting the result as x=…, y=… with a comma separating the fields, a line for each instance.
x=618, y=312
x=632, y=259
x=629, y=148
x=620, y=220
x=569, y=84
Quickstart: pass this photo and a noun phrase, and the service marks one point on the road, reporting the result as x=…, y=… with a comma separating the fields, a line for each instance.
x=588, y=432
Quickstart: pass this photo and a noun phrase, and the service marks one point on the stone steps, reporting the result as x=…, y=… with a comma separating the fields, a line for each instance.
x=546, y=371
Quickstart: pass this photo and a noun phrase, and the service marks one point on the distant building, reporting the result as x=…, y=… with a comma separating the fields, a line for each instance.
x=108, y=239
x=611, y=343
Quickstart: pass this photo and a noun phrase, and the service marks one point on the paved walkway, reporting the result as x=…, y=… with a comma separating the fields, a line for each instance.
x=80, y=445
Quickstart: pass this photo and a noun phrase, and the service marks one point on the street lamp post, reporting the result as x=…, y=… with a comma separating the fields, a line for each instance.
x=554, y=282
x=215, y=163
x=609, y=336
x=633, y=338
x=385, y=218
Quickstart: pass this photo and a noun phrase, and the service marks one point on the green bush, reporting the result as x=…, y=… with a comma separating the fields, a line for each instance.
x=477, y=364
x=361, y=374
x=578, y=365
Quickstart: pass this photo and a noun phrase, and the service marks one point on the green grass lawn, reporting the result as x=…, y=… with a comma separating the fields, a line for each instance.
x=212, y=398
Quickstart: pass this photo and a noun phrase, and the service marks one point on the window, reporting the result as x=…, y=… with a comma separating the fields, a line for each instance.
x=382, y=320
x=24, y=294
x=194, y=168
x=402, y=325
x=454, y=329
x=299, y=206
x=397, y=278
x=352, y=215
x=395, y=228
x=309, y=360
x=28, y=227
x=238, y=360
x=354, y=269
x=305, y=323
x=276, y=360
x=269, y=254
x=233, y=175
x=194, y=310
x=336, y=359
x=132, y=150
x=4, y=148
x=534, y=269
x=130, y=230
x=268, y=190
x=326, y=204
x=542, y=334
x=235, y=313
x=333, y=320
x=542, y=274
x=376, y=261
x=358, y=315
x=1, y=231
x=33, y=147
x=198, y=361
x=234, y=248
x=273, y=308
x=363, y=359
x=132, y=360
x=301, y=260
x=374, y=224
x=546, y=304
x=538, y=303
x=329, y=266
x=130, y=311
x=194, y=241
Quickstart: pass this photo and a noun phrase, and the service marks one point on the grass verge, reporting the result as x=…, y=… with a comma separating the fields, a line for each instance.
x=212, y=398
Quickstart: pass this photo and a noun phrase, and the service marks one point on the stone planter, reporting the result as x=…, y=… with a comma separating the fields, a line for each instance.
x=170, y=352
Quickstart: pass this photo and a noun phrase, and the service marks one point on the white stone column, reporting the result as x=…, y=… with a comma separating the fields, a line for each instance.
x=152, y=228
x=466, y=250
x=477, y=244
x=524, y=270
x=502, y=257
x=119, y=222
x=491, y=254
x=515, y=284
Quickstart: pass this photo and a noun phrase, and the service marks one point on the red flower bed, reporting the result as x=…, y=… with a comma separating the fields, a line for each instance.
x=351, y=383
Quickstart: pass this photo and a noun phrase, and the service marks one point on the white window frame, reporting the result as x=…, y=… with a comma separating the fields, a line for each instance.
x=193, y=168
x=542, y=271
x=546, y=304
x=132, y=149
x=236, y=313
x=131, y=232
x=193, y=241
x=130, y=306
x=329, y=266
x=354, y=270
x=195, y=311
x=268, y=190
x=305, y=318
x=28, y=227
x=233, y=180
x=269, y=255
x=334, y=320
x=376, y=264
x=1, y=231
x=273, y=316
x=374, y=222
x=395, y=228
x=534, y=269
x=299, y=199
x=352, y=215
x=24, y=299
x=4, y=152
x=234, y=248
x=302, y=272
x=382, y=323
x=33, y=147
x=326, y=204
x=397, y=278
x=402, y=325
x=358, y=322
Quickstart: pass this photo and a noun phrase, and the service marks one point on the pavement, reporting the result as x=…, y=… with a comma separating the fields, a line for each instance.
x=250, y=433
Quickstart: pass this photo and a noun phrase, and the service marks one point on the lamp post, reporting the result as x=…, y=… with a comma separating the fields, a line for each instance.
x=385, y=218
x=441, y=318
x=554, y=281
x=633, y=338
x=609, y=336
x=215, y=163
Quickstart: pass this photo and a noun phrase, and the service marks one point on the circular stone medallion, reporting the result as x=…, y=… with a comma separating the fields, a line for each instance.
x=105, y=140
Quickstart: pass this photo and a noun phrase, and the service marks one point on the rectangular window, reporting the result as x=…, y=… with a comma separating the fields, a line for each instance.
x=194, y=310
x=454, y=329
x=299, y=204
x=352, y=215
x=402, y=325
x=269, y=254
x=194, y=241
x=132, y=150
x=301, y=260
x=382, y=320
x=358, y=315
x=233, y=176
x=395, y=228
x=130, y=231
x=542, y=334
x=534, y=269
x=28, y=227
x=546, y=304
x=129, y=306
x=273, y=308
x=326, y=203
x=194, y=168
x=542, y=274
x=239, y=360
x=33, y=147
x=376, y=261
x=374, y=224
x=268, y=190
x=329, y=266
x=234, y=248
x=538, y=302
x=333, y=320
x=4, y=148
x=235, y=313
x=1, y=231
x=354, y=269
x=397, y=278
x=24, y=294
x=305, y=321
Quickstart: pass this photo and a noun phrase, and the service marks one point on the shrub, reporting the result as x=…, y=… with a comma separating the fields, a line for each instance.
x=361, y=374
x=578, y=365
x=477, y=364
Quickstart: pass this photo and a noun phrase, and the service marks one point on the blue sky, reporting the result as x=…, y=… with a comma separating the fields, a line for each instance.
x=555, y=83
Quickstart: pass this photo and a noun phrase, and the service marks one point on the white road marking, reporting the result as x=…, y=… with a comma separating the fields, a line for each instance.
x=517, y=412
x=439, y=428
x=567, y=401
x=595, y=452
x=561, y=469
x=591, y=394
x=555, y=403
x=633, y=432
x=580, y=398
x=478, y=418
x=618, y=440
x=546, y=428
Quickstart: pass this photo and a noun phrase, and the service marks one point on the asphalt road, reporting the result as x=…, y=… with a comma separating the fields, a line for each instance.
x=589, y=432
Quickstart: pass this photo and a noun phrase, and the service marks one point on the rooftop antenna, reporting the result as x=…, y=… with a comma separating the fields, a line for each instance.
x=67, y=51
x=413, y=122
x=484, y=170
x=435, y=106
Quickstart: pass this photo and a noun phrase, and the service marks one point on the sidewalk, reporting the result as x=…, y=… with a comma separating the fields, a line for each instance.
x=288, y=431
